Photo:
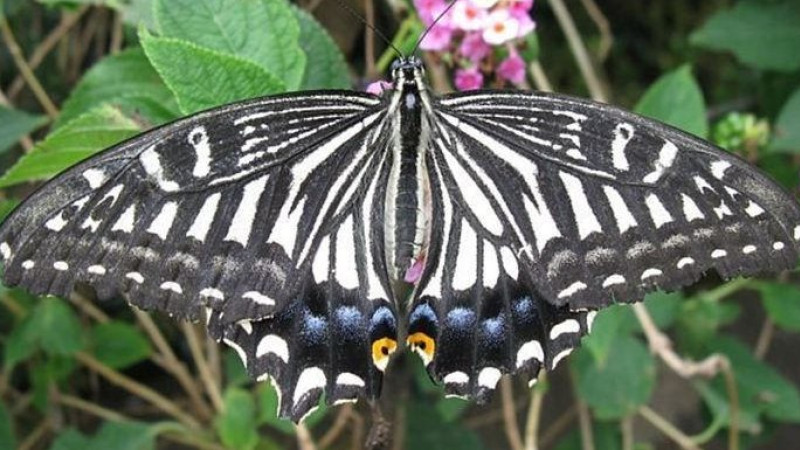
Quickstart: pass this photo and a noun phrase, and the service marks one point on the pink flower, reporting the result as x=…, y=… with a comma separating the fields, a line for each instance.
x=468, y=16
x=473, y=47
x=512, y=68
x=429, y=9
x=468, y=79
x=437, y=39
x=520, y=5
x=378, y=87
x=485, y=4
x=524, y=21
x=500, y=27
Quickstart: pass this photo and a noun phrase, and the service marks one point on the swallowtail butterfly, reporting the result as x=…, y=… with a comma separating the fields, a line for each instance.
x=290, y=224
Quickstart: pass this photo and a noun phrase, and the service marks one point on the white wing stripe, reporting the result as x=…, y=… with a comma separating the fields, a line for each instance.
x=465, y=274
x=582, y=210
x=242, y=222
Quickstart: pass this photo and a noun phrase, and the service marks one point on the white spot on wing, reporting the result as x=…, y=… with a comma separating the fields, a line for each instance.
x=163, y=222
x=488, y=377
x=465, y=274
x=621, y=212
x=272, y=343
x=61, y=266
x=590, y=316
x=690, y=209
x=747, y=249
x=510, y=264
x=126, y=220
x=572, y=289
x=613, y=280
x=753, y=209
x=583, y=213
x=205, y=217
x=658, y=212
x=623, y=133
x=198, y=138
x=345, y=260
x=778, y=245
x=311, y=378
x=665, y=159
x=566, y=327
x=242, y=222
x=95, y=177
x=5, y=250
x=491, y=269
x=685, y=261
x=719, y=253
x=259, y=298
x=210, y=292
x=135, y=276
x=559, y=357
x=28, y=264
x=349, y=379
x=151, y=162
x=797, y=233
x=57, y=223
x=530, y=350
x=321, y=263
x=456, y=378
x=171, y=286
x=96, y=269
x=718, y=168
x=651, y=272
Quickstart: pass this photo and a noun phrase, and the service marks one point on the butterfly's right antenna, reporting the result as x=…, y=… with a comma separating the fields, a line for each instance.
x=355, y=13
x=433, y=24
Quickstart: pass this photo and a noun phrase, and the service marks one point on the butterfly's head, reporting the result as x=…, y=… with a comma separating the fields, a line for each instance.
x=407, y=69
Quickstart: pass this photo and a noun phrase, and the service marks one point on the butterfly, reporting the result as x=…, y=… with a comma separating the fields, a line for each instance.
x=294, y=224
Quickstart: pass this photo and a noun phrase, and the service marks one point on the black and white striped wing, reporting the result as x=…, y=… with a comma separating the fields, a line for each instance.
x=547, y=208
x=253, y=212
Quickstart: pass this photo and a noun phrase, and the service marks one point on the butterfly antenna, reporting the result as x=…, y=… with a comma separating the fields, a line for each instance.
x=356, y=14
x=433, y=24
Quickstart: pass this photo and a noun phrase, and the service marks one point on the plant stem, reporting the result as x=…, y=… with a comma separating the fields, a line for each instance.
x=667, y=428
x=509, y=414
x=202, y=367
x=535, y=414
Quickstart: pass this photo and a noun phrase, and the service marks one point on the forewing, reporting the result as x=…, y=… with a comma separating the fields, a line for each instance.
x=546, y=208
x=232, y=211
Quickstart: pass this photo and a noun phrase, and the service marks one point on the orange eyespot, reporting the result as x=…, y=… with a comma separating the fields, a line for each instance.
x=381, y=350
x=423, y=344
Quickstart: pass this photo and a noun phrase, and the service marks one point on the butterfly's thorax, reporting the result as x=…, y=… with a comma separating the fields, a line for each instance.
x=407, y=199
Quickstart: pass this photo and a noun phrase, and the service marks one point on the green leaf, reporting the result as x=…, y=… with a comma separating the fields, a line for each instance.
x=326, y=68
x=201, y=78
x=663, y=307
x=425, y=428
x=676, y=99
x=7, y=439
x=73, y=142
x=127, y=80
x=6, y=206
x=451, y=409
x=786, y=130
x=608, y=324
x=762, y=390
x=699, y=319
x=124, y=436
x=119, y=345
x=14, y=124
x=760, y=34
x=782, y=302
x=58, y=327
x=236, y=425
x=263, y=32
x=618, y=387
x=21, y=343
x=268, y=409
x=71, y=439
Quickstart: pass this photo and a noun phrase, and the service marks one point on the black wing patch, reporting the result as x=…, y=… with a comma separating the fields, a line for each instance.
x=228, y=215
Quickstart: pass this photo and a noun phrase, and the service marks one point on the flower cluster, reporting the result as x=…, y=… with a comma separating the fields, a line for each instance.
x=468, y=32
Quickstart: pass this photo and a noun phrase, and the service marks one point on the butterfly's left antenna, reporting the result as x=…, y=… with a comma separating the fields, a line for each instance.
x=352, y=11
x=433, y=24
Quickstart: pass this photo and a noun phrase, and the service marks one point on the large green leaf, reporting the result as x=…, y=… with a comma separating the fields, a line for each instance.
x=201, y=78
x=787, y=126
x=77, y=140
x=622, y=383
x=14, y=124
x=326, y=68
x=112, y=435
x=427, y=429
x=762, y=34
x=676, y=99
x=782, y=302
x=58, y=328
x=119, y=344
x=127, y=80
x=236, y=425
x=263, y=32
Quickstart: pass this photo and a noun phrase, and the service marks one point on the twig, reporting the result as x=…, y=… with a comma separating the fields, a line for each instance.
x=358, y=432
x=585, y=424
x=764, y=339
x=171, y=364
x=626, y=429
x=733, y=395
x=579, y=51
x=68, y=20
x=509, y=414
x=202, y=366
x=490, y=417
x=339, y=424
x=89, y=308
x=669, y=430
x=540, y=79
x=24, y=70
x=213, y=356
x=91, y=408
x=558, y=426
x=727, y=289
x=304, y=439
x=35, y=435
x=138, y=389
x=369, y=38
x=117, y=33
x=534, y=414
x=600, y=20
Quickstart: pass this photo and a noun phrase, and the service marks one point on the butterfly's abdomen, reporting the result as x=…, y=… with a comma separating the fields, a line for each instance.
x=407, y=210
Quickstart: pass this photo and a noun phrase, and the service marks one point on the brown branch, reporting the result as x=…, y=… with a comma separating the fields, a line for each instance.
x=534, y=414
x=339, y=425
x=68, y=20
x=138, y=389
x=603, y=26
x=668, y=429
x=764, y=339
x=89, y=407
x=509, y=414
x=304, y=439
x=556, y=428
x=27, y=74
x=37, y=434
x=202, y=366
x=540, y=79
